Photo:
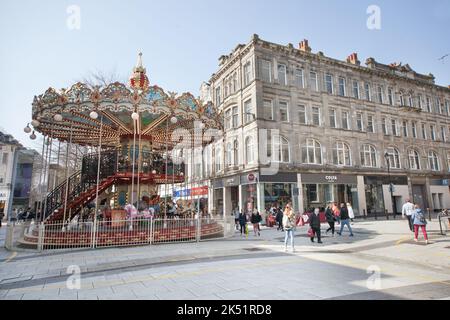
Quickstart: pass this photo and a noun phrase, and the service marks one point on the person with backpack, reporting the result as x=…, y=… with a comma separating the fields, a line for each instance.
x=419, y=221
x=314, y=223
x=289, y=226
x=255, y=220
x=330, y=219
x=345, y=220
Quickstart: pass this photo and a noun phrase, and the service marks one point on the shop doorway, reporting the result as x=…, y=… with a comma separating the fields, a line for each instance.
x=419, y=196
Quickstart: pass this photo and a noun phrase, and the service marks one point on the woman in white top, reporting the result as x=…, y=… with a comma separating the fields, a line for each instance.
x=351, y=214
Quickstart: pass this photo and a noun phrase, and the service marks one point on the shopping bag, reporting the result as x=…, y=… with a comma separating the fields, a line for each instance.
x=311, y=232
x=300, y=222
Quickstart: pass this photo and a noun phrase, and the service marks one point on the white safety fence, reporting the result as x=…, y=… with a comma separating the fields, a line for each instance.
x=120, y=233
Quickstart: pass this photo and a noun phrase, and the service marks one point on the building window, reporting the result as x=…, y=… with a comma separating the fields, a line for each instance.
x=284, y=114
x=438, y=106
x=414, y=159
x=370, y=124
x=419, y=101
x=268, y=110
x=313, y=81
x=444, y=138
x=312, y=152
x=218, y=159
x=394, y=127
x=235, y=83
x=424, y=132
x=218, y=98
x=414, y=129
x=432, y=133
x=402, y=99
x=329, y=83
x=345, y=122
x=428, y=100
x=299, y=78
x=367, y=91
x=341, y=154
x=369, y=156
x=359, y=122
x=235, y=117
x=411, y=101
x=380, y=94
x=228, y=119
x=447, y=107
x=355, y=89
x=384, y=126
x=5, y=159
x=393, y=158
x=448, y=161
x=405, y=129
x=229, y=155
x=266, y=70
x=332, y=118
x=282, y=74
x=236, y=152
x=280, y=149
x=248, y=110
x=433, y=161
x=316, y=116
x=247, y=73
x=391, y=96
x=342, y=91
x=302, y=114
x=249, y=154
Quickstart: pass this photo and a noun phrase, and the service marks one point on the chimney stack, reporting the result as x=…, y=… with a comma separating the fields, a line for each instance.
x=304, y=46
x=353, y=59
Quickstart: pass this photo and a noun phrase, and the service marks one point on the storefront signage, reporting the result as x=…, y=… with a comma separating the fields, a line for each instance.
x=200, y=191
x=251, y=177
x=313, y=178
x=231, y=182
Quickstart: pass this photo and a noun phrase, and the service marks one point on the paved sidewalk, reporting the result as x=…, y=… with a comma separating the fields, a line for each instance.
x=219, y=269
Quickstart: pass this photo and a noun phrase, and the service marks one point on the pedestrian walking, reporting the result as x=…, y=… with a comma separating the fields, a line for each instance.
x=243, y=223
x=256, y=220
x=336, y=212
x=289, y=226
x=279, y=219
x=236, y=218
x=407, y=211
x=345, y=220
x=419, y=221
x=331, y=219
x=315, y=225
x=351, y=213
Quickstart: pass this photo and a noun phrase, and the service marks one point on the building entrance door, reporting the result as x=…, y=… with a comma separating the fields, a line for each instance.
x=419, y=196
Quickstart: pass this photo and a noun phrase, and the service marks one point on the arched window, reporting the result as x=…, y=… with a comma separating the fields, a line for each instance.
x=249, y=154
x=312, y=152
x=229, y=155
x=236, y=152
x=281, y=149
x=402, y=98
x=341, y=154
x=414, y=159
x=433, y=161
x=393, y=158
x=369, y=156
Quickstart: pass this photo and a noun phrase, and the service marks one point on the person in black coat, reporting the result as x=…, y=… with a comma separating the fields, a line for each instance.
x=330, y=218
x=345, y=220
x=256, y=220
x=279, y=219
x=242, y=222
x=314, y=223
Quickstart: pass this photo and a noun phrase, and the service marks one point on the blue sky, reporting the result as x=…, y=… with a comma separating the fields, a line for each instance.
x=182, y=40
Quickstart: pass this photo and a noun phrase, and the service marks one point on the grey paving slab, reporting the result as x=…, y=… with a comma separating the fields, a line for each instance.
x=180, y=294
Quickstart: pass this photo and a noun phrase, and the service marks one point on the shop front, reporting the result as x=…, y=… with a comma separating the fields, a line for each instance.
x=320, y=189
x=379, y=197
x=279, y=190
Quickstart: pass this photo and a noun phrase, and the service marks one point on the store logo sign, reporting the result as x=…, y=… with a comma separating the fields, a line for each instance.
x=251, y=177
x=331, y=179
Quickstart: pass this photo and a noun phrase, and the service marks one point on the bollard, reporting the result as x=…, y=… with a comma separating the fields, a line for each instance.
x=387, y=215
x=429, y=214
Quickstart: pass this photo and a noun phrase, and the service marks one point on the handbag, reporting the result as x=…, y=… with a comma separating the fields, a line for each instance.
x=300, y=222
x=311, y=233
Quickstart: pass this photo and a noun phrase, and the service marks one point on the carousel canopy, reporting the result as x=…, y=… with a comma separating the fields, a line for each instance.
x=118, y=111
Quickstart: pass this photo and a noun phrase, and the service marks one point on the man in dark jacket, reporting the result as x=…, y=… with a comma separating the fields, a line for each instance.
x=243, y=222
x=314, y=223
x=345, y=220
x=279, y=219
x=330, y=218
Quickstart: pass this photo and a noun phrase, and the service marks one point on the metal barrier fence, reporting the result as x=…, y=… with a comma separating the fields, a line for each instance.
x=120, y=233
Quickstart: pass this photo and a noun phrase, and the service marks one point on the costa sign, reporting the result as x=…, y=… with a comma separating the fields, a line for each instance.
x=331, y=179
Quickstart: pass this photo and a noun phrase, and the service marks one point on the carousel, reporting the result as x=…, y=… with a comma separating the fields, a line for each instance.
x=134, y=136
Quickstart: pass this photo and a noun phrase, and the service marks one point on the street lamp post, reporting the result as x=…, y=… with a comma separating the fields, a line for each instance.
x=391, y=186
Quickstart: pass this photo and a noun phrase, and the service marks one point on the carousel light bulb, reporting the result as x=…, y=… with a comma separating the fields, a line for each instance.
x=174, y=120
x=57, y=117
x=33, y=136
x=135, y=116
x=35, y=123
x=27, y=129
x=154, y=171
x=93, y=115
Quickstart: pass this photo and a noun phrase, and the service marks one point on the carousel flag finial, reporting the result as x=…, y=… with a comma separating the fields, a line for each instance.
x=139, y=79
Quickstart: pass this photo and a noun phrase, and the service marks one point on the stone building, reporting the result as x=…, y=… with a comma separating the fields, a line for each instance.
x=303, y=127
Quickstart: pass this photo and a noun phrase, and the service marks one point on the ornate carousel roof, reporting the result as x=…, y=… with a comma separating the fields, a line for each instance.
x=82, y=109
